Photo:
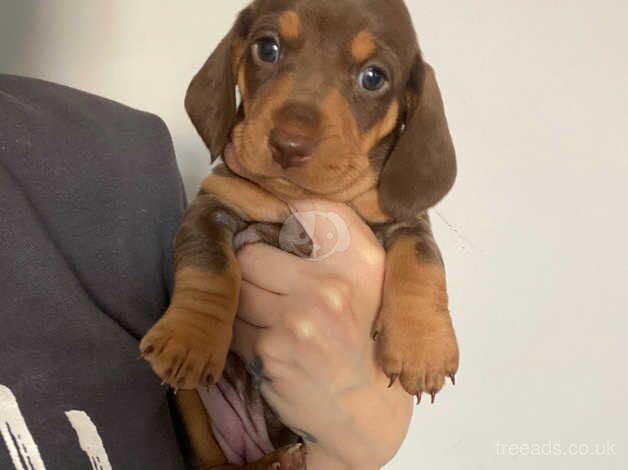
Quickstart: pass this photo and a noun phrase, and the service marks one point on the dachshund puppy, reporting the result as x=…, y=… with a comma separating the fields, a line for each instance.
x=337, y=103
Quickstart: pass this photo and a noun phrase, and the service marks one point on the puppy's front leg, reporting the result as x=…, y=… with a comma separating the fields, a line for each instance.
x=415, y=335
x=189, y=345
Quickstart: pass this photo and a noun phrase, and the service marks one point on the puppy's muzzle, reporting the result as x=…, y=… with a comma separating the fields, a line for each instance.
x=294, y=138
x=289, y=148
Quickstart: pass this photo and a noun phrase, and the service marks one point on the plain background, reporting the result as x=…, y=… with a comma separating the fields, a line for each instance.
x=534, y=233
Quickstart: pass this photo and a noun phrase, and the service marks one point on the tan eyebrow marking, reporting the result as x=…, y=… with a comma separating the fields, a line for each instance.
x=362, y=46
x=290, y=25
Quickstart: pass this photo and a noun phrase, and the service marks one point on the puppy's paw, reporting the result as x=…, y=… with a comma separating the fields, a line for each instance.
x=416, y=345
x=187, y=349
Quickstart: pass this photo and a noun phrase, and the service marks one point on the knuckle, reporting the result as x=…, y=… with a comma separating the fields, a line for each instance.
x=265, y=349
x=373, y=256
x=335, y=297
x=270, y=369
x=303, y=328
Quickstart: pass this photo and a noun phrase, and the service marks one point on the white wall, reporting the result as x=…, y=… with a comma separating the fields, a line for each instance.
x=534, y=233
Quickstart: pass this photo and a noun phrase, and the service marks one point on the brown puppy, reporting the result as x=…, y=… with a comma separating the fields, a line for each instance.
x=337, y=103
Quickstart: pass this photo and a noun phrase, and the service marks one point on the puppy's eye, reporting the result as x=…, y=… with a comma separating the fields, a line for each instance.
x=372, y=78
x=266, y=50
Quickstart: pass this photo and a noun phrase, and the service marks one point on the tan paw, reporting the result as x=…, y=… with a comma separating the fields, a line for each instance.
x=416, y=345
x=187, y=349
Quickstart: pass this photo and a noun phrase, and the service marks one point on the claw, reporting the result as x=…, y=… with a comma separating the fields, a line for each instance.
x=167, y=376
x=393, y=379
x=433, y=394
x=419, y=396
x=453, y=379
x=209, y=380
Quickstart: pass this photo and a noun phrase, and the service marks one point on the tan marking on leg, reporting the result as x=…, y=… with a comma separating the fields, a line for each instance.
x=249, y=201
x=289, y=25
x=362, y=46
x=188, y=346
x=206, y=452
x=409, y=276
x=198, y=290
x=416, y=340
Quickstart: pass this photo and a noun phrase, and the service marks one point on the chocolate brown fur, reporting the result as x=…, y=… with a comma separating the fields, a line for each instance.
x=306, y=128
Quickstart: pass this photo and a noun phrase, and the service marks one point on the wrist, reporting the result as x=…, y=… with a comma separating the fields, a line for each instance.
x=369, y=424
x=380, y=417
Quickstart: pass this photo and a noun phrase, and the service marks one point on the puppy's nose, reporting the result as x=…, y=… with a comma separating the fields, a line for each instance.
x=290, y=149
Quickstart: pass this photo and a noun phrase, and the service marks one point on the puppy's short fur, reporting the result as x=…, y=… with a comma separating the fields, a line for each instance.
x=315, y=121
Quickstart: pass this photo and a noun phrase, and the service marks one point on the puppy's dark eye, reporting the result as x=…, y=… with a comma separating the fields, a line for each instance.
x=372, y=78
x=266, y=50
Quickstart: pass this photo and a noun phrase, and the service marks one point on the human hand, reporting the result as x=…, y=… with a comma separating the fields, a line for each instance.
x=304, y=327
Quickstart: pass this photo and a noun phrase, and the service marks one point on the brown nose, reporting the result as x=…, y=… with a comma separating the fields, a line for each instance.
x=290, y=149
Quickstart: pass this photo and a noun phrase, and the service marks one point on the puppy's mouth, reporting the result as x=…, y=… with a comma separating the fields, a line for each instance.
x=234, y=164
x=292, y=182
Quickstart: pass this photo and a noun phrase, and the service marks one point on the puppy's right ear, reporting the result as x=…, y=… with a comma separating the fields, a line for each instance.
x=211, y=100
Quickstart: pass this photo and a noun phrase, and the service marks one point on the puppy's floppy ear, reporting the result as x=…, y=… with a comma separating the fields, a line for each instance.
x=422, y=167
x=211, y=100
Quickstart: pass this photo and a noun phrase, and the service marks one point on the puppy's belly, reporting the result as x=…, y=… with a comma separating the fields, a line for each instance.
x=243, y=424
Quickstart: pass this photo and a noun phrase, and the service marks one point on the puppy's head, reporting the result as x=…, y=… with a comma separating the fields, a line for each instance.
x=336, y=100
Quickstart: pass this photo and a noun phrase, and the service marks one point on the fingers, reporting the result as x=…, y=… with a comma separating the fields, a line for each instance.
x=245, y=337
x=266, y=354
x=258, y=332
x=271, y=268
x=341, y=239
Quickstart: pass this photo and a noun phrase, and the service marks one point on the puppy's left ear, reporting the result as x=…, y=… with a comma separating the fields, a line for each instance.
x=422, y=167
x=210, y=100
